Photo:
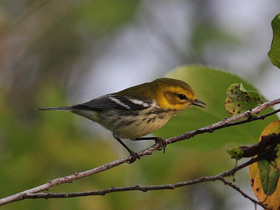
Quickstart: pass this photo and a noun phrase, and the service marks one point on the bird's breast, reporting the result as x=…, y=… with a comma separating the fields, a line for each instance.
x=134, y=124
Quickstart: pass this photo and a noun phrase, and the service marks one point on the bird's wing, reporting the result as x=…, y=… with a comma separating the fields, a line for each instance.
x=113, y=101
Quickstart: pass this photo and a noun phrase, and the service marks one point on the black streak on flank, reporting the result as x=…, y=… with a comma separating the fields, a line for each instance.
x=138, y=124
x=151, y=119
x=130, y=113
x=161, y=117
x=157, y=111
x=129, y=122
x=123, y=123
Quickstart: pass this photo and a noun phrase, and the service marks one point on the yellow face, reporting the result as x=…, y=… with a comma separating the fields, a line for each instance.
x=176, y=98
x=175, y=95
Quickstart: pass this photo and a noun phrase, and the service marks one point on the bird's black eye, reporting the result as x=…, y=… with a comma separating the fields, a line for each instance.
x=182, y=96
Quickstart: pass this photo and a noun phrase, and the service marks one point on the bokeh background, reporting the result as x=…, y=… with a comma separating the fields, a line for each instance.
x=67, y=51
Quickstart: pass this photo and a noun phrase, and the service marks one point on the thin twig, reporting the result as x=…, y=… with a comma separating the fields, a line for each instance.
x=220, y=177
x=248, y=115
x=242, y=193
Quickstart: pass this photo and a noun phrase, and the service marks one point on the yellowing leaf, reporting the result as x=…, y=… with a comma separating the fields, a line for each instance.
x=264, y=175
x=240, y=100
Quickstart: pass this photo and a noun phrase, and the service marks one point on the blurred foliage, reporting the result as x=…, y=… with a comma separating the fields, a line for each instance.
x=99, y=16
x=50, y=147
x=274, y=53
x=55, y=35
x=208, y=36
x=47, y=49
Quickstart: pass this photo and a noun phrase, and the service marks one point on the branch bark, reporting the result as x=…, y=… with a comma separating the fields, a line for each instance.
x=247, y=116
x=218, y=177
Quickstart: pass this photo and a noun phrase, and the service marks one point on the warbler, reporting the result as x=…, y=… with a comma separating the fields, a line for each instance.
x=139, y=110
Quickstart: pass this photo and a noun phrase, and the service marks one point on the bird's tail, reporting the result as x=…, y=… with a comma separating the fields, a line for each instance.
x=61, y=108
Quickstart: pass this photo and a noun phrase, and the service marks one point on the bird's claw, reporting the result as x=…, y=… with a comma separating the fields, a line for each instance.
x=134, y=156
x=162, y=143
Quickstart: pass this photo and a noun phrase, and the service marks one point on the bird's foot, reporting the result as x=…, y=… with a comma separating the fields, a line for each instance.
x=134, y=156
x=161, y=142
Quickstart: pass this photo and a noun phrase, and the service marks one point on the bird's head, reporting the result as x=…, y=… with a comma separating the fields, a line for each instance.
x=175, y=94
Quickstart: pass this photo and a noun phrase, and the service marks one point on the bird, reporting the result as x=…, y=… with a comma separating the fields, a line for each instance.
x=137, y=111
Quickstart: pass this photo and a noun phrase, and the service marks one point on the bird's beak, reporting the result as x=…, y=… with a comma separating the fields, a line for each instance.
x=199, y=103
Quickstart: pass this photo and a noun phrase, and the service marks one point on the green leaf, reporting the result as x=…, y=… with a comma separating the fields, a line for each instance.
x=240, y=100
x=210, y=86
x=274, y=53
x=235, y=153
x=269, y=177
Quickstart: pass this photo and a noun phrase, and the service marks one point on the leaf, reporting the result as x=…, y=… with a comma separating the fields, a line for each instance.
x=209, y=85
x=235, y=153
x=274, y=53
x=240, y=100
x=264, y=175
x=269, y=176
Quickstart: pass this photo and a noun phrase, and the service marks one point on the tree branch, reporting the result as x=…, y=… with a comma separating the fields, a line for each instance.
x=246, y=116
x=220, y=177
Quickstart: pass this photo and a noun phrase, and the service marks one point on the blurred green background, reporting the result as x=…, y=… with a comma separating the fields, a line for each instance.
x=67, y=51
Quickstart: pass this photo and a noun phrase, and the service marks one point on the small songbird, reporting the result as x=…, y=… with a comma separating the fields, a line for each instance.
x=139, y=110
